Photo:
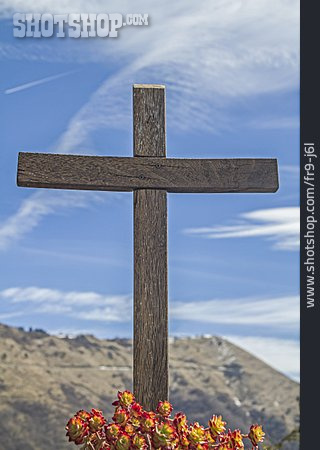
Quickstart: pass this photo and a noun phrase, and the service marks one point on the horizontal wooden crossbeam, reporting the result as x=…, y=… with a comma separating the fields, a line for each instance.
x=102, y=173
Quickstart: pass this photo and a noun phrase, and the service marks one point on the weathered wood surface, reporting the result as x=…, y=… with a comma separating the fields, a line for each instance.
x=149, y=120
x=150, y=175
x=150, y=350
x=47, y=170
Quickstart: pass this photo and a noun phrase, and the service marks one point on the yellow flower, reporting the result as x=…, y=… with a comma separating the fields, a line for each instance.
x=126, y=398
x=236, y=439
x=197, y=434
x=164, y=408
x=123, y=442
x=96, y=420
x=77, y=430
x=216, y=425
x=163, y=435
x=180, y=422
x=256, y=434
x=121, y=416
x=139, y=442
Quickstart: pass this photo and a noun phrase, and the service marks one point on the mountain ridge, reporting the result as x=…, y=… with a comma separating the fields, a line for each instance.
x=45, y=379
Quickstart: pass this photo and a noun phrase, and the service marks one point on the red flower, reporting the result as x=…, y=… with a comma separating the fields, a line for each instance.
x=136, y=409
x=96, y=420
x=163, y=435
x=256, y=434
x=112, y=431
x=216, y=425
x=123, y=442
x=136, y=429
x=183, y=440
x=84, y=415
x=121, y=416
x=147, y=422
x=164, y=409
x=180, y=422
x=125, y=399
x=77, y=430
x=139, y=442
x=129, y=428
x=236, y=439
x=197, y=434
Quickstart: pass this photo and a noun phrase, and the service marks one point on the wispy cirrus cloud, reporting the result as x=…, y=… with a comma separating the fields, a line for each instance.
x=268, y=312
x=78, y=304
x=88, y=309
x=33, y=209
x=210, y=55
x=280, y=225
x=35, y=83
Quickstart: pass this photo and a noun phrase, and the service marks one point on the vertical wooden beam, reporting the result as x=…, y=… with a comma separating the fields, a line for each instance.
x=150, y=349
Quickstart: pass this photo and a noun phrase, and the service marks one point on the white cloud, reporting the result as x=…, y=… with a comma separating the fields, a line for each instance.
x=281, y=225
x=267, y=312
x=274, y=314
x=33, y=209
x=77, y=304
x=32, y=84
x=280, y=314
x=281, y=354
x=209, y=54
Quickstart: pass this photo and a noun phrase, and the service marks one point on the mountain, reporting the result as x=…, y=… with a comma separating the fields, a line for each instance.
x=45, y=379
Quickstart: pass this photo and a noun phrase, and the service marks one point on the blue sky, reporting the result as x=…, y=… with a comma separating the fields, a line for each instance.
x=231, y=71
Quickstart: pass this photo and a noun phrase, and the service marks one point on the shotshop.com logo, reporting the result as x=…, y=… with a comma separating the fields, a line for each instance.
x=74, y=25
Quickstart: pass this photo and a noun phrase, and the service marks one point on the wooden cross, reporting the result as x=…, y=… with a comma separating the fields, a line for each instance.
x=150, y=175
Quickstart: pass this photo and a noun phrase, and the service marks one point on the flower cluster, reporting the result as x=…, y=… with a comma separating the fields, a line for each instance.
x=133, y=428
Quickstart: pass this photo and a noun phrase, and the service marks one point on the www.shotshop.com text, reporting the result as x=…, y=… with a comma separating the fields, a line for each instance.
x=310, y=221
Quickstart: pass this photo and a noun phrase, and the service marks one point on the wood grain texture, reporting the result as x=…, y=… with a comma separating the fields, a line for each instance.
x=150, y=349
x=149, y=123
x=126, y=174
x=150, y=175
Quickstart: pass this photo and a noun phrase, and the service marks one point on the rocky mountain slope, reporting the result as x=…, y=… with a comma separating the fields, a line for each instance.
x=44, y=380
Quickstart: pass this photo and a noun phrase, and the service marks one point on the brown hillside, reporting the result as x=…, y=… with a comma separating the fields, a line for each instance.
x=45, y=379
